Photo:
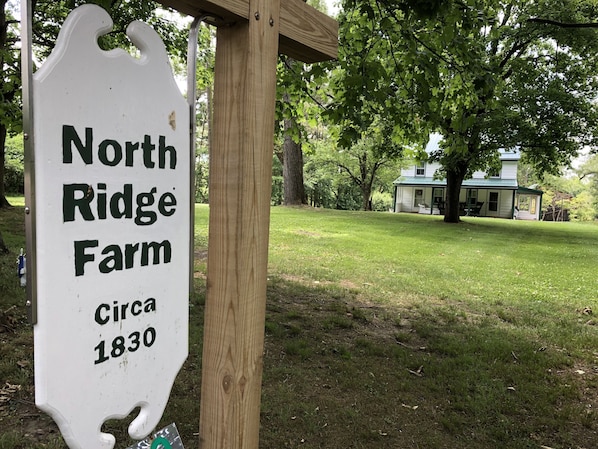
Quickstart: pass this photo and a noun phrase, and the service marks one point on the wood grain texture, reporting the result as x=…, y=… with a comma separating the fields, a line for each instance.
x=229, y=10
x=306, y=34
x=240, y=190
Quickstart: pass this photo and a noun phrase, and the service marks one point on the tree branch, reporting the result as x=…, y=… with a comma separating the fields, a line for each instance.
x=517, y=48
x=503, y=22
x=413, y=34
x=563, y=24
x=588, y=173
x=303, y=87
x=347, y=170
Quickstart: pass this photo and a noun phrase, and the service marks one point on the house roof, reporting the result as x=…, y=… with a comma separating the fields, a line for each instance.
x=529, y=191
x=505, y=154
x=490, y=183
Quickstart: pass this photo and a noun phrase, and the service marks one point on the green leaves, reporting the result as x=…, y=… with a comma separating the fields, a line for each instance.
x=48, y=17
x=477, y=70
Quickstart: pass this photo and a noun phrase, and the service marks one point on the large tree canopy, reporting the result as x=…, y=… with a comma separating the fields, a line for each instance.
x=485, y=73
x=48, y=16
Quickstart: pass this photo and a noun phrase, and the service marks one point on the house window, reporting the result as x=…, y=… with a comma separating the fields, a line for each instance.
x=418, y=198
x=523, y=203
x=420, y=169
x=472, y=196
x=493, y=201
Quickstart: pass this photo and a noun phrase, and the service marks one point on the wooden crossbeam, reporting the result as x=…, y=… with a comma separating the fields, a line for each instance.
x=305, y=33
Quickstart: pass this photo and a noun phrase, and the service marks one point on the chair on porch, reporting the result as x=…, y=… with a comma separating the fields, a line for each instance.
x=474, y=211
x=441, y=207
x=462, y=208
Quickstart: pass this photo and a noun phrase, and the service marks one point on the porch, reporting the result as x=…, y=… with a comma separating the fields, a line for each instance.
x=478, y=197
x=498, y=200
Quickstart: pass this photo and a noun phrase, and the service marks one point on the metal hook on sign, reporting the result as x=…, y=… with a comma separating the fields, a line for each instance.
x=30, y=273
x=191, y=99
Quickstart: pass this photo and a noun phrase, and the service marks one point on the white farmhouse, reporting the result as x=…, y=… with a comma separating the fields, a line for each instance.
x=486, y=195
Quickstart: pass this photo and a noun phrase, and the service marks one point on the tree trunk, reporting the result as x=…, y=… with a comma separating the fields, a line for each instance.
x=292, y=159
x=366, y=203
x=3, y=247
x=292, y=169
x=365, y=182
x=3, y=201
x=6, y=95
x=366, y=190
x=454, y=180
x=3, y=37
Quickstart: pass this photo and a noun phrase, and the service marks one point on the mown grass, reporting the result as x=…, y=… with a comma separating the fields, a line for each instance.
x=387, y=331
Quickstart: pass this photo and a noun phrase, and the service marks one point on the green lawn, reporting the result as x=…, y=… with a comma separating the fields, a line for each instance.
x=386, y=331
x=534, y=274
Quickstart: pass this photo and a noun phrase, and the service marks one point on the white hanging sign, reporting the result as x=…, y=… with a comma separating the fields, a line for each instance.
x=112, y=224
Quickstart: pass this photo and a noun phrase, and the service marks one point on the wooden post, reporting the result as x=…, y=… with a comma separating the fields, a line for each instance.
x=240, y=189
x=250, y=35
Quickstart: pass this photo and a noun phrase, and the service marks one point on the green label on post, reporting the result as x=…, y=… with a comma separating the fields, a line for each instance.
x=161, y=443
x=167, y=438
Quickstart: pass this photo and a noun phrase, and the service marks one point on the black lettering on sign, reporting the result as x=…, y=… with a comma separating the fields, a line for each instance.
x=70, y=138
x=119, y=345
x=121, y=311
x=98, y=203
x=118, y=258
x=110, y=151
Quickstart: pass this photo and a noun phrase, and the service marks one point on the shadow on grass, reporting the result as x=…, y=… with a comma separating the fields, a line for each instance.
x=340, y=373
x=343, y=373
